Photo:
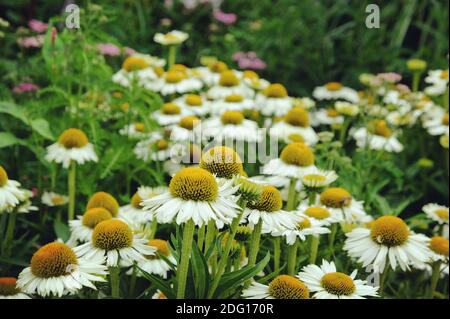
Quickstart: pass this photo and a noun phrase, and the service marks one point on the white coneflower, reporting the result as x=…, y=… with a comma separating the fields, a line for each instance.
x=134, y=211
x=195, y=194
x=104, y=200
x=346, y=108
x=438, y=80
x=319, y=212
x=232, y=125
x=210, y=74
x=81, y=228
x=294, y=159
x=233, y=102
x=114, y=239
x=135, y=130
x=326, y=283
x=388, y=243
x=327, y=117
x=53, y=199
x=229, y=84
x=295, y=123
x=73, y=145
x=335, y=91
x=437, y=212
x=274, y=100
x=57, y=270
x=436, y=122
x=173, y=37
x=9, y=290
x=282, y=287
x=377, y=136
x=185, y=129
x=170, y=113
x=155, y=149
x=176, y=81
x=341, y=203
x=193, y=104
x=314, y=177
x=140, y=68
x=306, y=226
x=10, y=193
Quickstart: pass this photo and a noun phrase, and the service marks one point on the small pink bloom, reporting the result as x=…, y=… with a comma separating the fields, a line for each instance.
x=34, y=192
x=31, y=42
x=37, y=26
x=239, y=55
x=225, y=18
x=402, y=88
x=25, y=87
x=390, y=77
x=108, y=49
x=129, y=51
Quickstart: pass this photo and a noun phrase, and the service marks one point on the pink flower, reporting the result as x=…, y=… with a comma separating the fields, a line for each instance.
x=108, y=49
x=390, y=77
x=249, y=60
x=25, y=87
x=31, y=42
x=37, y=26
x=129, y=51
x=225, y=18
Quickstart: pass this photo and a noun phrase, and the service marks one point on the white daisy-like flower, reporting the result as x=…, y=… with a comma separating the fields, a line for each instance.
x=437, y=212
x=229, y=84
x=135, y=130
x=141, y=68
x=314, y=177
x=327, y=283
x=306, y=226
x=295, y=126
x=346, y=108
x=274, y=101
x=268, y=208
x=210, y=74
x=114, y=239
x=53, y=199
x=72, y=145
x=57, y=270
x=193, y=104
x=10, y=192
x=169, y=114
x=185, y=130
x=281, y=287
x=154, y=264
x=280, y=182
x=388, y=243
x=176, y=81
x=377, y=136
x=327, y=117
x=234, y=102
x=436, y=122
x=173, y=37
x=195, y=194
x=134, y=211
x=9, y=290
x=81, y=229
x=25, y=206
x=232, y=125
x=341, y=203
x=335, y=91
x=439, y=250
x=320, y=213
x=438, y=80
x=155, y=149
x=182, y=155
x=294, y=159
x=257, y=84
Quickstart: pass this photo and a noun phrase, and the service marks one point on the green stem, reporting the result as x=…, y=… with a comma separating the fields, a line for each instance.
x=210, y=234
x=9, y=236
x=292, y=258
x=254, y=244
x=416, y=81
x=182, y=271
x=332, y=235
x=172, y=56
x=153, y=229
x=201, y=237
x=114, y=277
x=290, y=205
x=224, y=258
x=315, y=241
x=383, y=280
x=133, y=281
x=343, y=133
x=276, y=253
x=312, y=197
x=434, y=278
x=72, y=188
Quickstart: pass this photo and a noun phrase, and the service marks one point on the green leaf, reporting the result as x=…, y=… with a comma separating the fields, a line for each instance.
x=13, y=110
x=8, y=139
x=42, y=127
x=62, y=230
x=200, y=272
x=233, y=279
x=160, y=284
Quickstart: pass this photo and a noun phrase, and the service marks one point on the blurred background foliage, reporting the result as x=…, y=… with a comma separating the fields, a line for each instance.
x=304, y=43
